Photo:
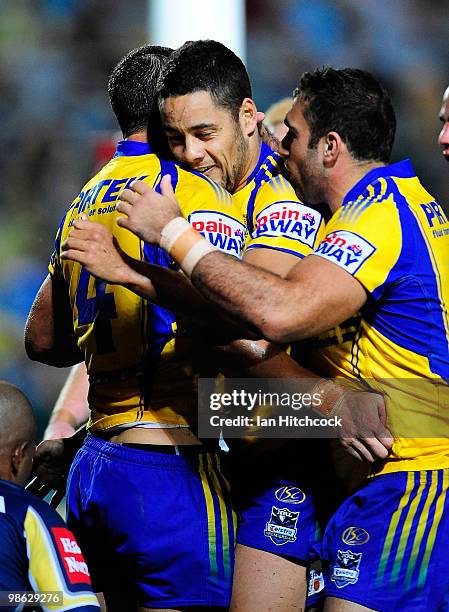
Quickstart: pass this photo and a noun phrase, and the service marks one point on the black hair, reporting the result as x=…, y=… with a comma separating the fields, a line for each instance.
x=132, y=87
x=353, y=103
x=207, y=65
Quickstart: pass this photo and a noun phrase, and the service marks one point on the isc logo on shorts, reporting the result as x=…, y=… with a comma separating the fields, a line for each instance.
x=289, y=220
x=224, y=232
x=347, y=249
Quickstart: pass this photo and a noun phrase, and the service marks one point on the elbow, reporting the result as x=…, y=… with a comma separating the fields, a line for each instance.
x=276, y=327
x=35, y=350
x=44, y=352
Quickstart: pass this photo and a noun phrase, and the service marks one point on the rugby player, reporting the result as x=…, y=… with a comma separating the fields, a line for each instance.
x=210, y=122
x=38, y=553
x=443, y=138
x=387, y=544
x=148, y=502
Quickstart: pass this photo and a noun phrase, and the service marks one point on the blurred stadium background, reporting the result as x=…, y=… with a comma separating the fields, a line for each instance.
x=55, y=57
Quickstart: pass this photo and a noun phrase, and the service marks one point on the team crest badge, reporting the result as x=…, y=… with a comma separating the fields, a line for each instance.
x=346, y=570
x=316, y=583
x=281, y=528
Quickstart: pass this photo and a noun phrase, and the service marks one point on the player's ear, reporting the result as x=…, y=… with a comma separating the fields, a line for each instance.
x=331, y=148
x=248, y=116
x=21, y=462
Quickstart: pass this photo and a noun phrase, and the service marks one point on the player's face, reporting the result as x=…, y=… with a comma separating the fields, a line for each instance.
x=443, y=138
x=206, y=138
x=302, y=163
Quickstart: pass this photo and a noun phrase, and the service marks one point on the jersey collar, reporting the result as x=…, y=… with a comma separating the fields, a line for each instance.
x=130, y=148
x=265, y=151
x=402, y=169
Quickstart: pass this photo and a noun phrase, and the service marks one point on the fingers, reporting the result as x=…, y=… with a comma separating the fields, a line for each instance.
x=166, y=187
x=375, y=448
x=358, y=449
x=346, y=443
x=138, y=187
x=381, y=410
x=385, y=438
x=124, y=207
x=84, y=223
x=260, y=116
x=76, y=244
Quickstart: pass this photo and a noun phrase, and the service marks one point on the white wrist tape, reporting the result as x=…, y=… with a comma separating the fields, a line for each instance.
x=197, y=252
x=184, y=244
x=171, y=232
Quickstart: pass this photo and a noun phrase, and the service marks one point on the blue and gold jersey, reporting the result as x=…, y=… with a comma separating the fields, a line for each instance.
x=139, y=359
x=393, y=237
x=38, y=552
x=276, y=218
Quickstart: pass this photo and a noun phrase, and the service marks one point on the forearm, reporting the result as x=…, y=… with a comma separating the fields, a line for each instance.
x=71, y=409
x=261, y=359
x=165, y=287
x=255, y=297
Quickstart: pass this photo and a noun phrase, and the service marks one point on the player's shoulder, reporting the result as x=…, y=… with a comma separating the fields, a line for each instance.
x=376, y=201
x=17, y=502
x=194, y=182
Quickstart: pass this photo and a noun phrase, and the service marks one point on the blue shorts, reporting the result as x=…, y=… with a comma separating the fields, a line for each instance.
x=276, y=500
x=156, y=524
x=387, y=545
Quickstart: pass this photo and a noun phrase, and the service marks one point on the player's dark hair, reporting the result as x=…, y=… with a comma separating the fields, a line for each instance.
x=352, y=103
x=207, y=65
x=132, y=86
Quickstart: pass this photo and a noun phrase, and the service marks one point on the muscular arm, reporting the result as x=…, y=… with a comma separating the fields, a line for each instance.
x=94, y=247
x=315, y=296
x=49, y=335
x=71, y=409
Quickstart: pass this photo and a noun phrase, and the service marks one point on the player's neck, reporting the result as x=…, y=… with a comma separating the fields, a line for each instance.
x=138, y=136
x=344, y=178
x=255, y=144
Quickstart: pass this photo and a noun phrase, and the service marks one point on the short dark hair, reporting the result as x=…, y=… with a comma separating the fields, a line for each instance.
x=132, y=86
x=207, y=65
x=353, y=103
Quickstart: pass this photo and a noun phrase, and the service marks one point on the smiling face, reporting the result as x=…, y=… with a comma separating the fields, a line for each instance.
x=205, y=137
x=303, y=164
x=443, y=138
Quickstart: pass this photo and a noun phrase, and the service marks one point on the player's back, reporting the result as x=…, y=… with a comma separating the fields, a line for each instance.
x=138, y=358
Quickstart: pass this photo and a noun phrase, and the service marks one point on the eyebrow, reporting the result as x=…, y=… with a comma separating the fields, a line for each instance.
x=198, y=126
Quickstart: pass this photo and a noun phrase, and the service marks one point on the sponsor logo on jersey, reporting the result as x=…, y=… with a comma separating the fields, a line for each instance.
x=347, y=249
x=224, y=232
x=281, y=528
x=355, y=536
x=346, y=570
x=288, y=220
x=316, y=583
x=70, y=554
x=290, y=495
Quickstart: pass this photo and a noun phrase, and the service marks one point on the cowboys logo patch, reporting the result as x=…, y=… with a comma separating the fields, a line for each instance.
x=346, y=570
x=281, y=528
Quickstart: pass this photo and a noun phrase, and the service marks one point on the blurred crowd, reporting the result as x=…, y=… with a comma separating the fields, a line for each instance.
x=56, y=55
